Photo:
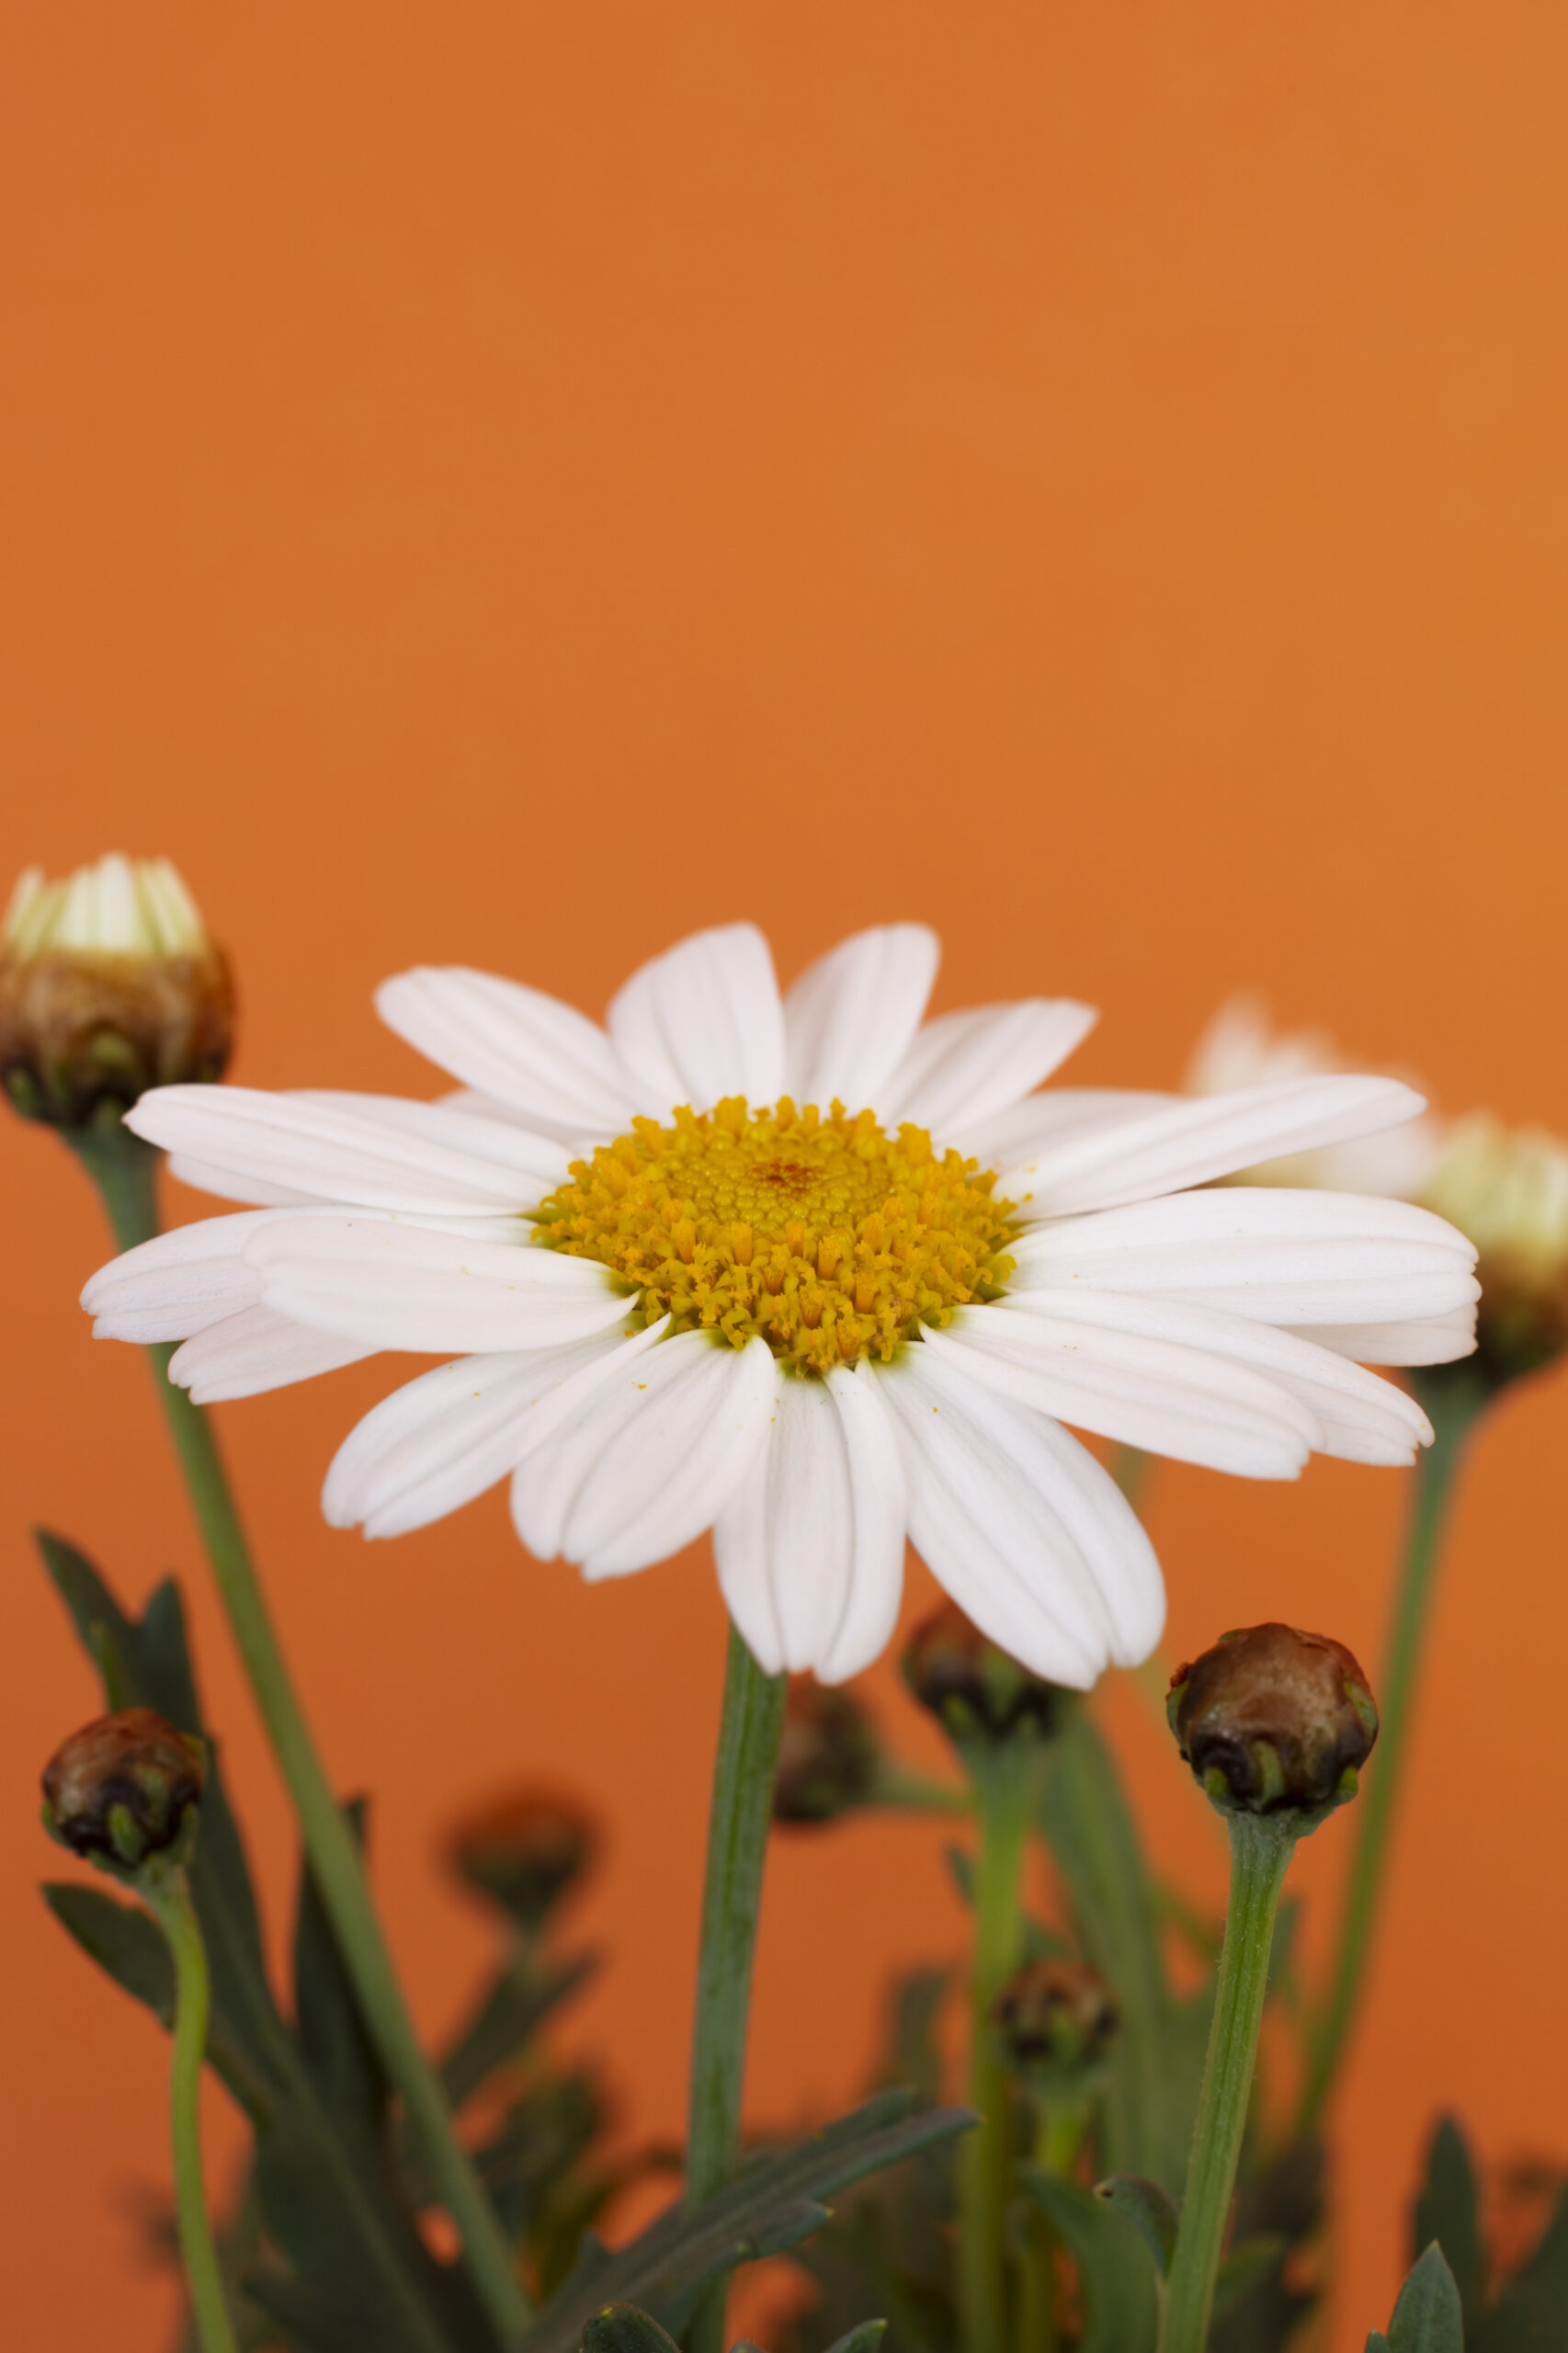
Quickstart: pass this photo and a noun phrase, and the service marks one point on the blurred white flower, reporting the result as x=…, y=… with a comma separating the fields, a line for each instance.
x=805, y=1269
x=1242, y=1048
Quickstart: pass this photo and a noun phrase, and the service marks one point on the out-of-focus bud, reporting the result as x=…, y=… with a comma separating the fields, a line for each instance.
x=1506, y=1189
x=1272, y=1720
x=108, y=985
x=976, y=1690
x=1055, y=2017
x=123, y=1788
x=827, y=1755
x=522, y=1852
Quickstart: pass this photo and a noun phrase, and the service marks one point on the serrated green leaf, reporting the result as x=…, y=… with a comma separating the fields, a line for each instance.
x=1151, y=2210
x=1116, y=2269
x=1243, y=2268
x=622, y=2328
x=1447, y=2210
x=1427, y=2316
x=773, y=2201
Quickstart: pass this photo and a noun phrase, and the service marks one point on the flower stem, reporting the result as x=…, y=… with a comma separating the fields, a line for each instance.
x=741, y=1809
x=1261, y=1847
x=1060, y=2127
x=124, y=1170
x=1453, y=1401
x=168, y=1896
x=1006, y=1784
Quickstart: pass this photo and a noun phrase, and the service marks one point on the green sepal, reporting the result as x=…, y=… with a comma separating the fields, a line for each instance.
x=1116, y=2269
x=1427, y=2316
x=776, y=2200
x=1152, y=2210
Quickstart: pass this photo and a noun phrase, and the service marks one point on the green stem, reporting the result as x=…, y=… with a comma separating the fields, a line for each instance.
x=1060, y=2123
x=168, y=1898
x=1261, y=1847
x=125, y=1170
x=1006, y=1783
x=1453, y=1403
x=742, y=1810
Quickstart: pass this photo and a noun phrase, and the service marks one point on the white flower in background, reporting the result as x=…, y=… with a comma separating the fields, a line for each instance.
x=808, y=1272
x=1506, y=1189
x=1242, y=1048
x=121, y=906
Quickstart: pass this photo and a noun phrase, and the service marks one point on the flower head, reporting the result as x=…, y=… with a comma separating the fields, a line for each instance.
x=1274, y=1720
x=828, y=1755
x=806, y=1269
x=1508, y=1190
x=120, y=1788
x=108, y=985
x=522, y=1852
x=1057, y=2016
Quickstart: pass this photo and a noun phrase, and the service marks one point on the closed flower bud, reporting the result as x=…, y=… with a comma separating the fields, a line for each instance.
x=120, y=1788
x=975, y=1689
x=827, y=1755
x=1273, y=1721
x=1506, y=1189
x=523, y=1852
x=1055, y=2015
x=108, y=985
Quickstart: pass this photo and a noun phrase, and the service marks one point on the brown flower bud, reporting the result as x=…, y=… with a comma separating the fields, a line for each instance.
x=108, y=985
x=827, y=1755
x=522, y=1852
x=1057, y=2015
x=1271, y=1719
x=975, y=1689
x=122, y=1787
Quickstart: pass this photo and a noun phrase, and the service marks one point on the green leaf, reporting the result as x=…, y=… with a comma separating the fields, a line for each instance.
x=1447, y=2210
x=1116, y=2269
x=1376, y=2341
x=122, y=1938
x=864, y=2340
x=1245, y=2267
x=507, y=2014
x=1149, y=2208
x=621, y=2329
x=774, y=2202
x=1428, y=2318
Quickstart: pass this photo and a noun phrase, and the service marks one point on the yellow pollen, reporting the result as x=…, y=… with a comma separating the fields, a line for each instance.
x=829, y=1238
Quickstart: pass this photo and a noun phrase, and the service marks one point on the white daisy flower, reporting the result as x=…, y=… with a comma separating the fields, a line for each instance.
x=806, y=1270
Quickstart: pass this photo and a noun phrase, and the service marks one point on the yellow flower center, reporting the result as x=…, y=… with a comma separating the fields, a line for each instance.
x=826, y=1236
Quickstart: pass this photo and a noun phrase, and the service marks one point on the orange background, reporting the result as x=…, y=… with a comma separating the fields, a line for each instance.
x=510, y=482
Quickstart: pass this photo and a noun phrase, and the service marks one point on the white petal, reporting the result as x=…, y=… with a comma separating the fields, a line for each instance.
x=650, y=1459
x=1441, y=1339
x=506, y=1142
x=326, y=1151
x=399, y=1286
x=810, y=1547
x=202, y=1177
x=1152, y=1393
x=1283, y=1257
x=965, y=1067
x=177, y=1283
x=851, y=1015
x=1190, y=1143
x=1029, y=1536
x=1025, y=1128
x=526, y=1048
x=704, y=1021
x=438, y=1441
x=1362, y=1418
x=254, y=1351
